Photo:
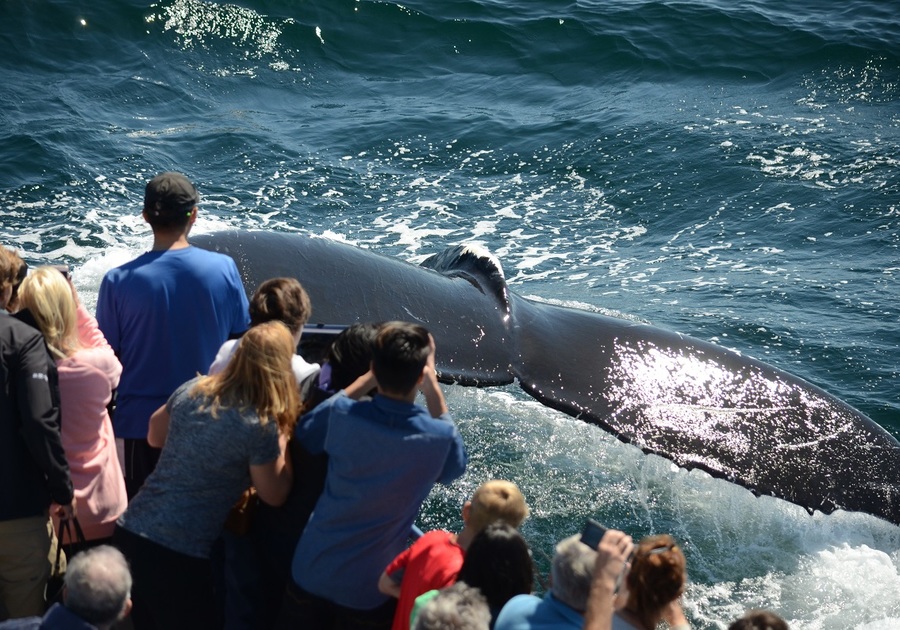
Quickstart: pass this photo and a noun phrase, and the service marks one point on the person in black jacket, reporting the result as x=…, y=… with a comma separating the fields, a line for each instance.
x=33, y=467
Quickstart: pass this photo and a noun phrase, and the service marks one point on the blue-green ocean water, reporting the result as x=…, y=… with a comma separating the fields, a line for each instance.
x=728, y=170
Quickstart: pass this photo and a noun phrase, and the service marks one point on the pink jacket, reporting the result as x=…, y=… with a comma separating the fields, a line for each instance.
x=86, y=381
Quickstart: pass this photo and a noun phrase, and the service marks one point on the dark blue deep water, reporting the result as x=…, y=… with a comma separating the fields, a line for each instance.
x=728, y=170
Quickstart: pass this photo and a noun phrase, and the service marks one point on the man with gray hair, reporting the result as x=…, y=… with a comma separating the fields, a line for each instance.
x=564, y=605
x=457, y=607
x=97, y=594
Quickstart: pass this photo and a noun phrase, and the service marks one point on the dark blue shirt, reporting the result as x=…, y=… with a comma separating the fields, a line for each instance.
x=57, y=618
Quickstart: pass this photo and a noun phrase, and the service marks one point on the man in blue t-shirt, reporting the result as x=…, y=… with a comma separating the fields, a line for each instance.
x=165, y=314
x=384, y=456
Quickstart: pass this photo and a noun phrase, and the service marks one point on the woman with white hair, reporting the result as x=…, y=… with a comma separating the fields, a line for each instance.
x=457, y=607
x=98, y=587
x=563, y=607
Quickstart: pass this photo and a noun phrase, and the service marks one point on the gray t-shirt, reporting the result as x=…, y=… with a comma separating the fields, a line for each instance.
x=202, y=471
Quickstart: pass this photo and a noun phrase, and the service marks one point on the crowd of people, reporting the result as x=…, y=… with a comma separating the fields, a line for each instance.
x=220, y=480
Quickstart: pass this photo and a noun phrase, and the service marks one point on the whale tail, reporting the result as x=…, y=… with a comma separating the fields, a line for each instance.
x=691, y=401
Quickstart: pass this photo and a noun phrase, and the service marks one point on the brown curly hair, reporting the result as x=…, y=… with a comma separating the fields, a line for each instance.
x=656, y=578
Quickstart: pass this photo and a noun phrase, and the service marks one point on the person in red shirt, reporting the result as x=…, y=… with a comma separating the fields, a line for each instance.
x=434, y=560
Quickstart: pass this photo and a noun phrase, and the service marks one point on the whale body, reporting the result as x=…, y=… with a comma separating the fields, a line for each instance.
x=691, y=401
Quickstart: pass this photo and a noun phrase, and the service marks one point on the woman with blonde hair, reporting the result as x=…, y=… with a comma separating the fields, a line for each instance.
x=88, y=373
x=653, y=586
x=219, y=434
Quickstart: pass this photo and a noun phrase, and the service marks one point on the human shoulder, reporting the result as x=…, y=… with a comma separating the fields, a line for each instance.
x=517, y=611
x=100, y=358
x=120, y=271
x=620, y=623
x=223, y=356
x=22, y=623
x=23, y=339
x=61, y=617
x=430, y=541
x=199, y=252
x=303, y=369
x=524, y=601
x=14, y=326
x=201, y=258
x=183, y=394
x=436, y=536
x=443, y=425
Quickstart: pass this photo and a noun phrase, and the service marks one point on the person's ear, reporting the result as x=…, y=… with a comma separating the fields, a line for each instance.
x=466, y=511
x=193, y=216
x=5, y=296
x=126, y=609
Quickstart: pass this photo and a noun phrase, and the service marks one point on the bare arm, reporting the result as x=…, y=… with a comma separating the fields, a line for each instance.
x=159, y=428
x=274, y=479
x=612, y=557
x=361, y=386
x=388, y=586
x=434, y=397
x=89, y=333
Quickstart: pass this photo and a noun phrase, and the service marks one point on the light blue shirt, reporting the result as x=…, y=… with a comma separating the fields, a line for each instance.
x=527, y=612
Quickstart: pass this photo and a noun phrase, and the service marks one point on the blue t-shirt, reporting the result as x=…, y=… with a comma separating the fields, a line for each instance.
x=527, y=612
x=384, y=456
x=165, y=314
x=203, y=469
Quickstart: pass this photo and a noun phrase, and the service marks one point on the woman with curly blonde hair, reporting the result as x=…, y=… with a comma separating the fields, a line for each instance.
x=653, y=586
x=219, y=434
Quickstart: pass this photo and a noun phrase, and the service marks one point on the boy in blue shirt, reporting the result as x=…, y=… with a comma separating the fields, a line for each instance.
x=384, y=456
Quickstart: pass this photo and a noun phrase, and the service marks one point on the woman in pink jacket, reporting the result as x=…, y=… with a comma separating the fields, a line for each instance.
x=88, y=373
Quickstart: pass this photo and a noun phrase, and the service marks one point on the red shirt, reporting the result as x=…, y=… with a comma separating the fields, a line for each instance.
x=431, y=562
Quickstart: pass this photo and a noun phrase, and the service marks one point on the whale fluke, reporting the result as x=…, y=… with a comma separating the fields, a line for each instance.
x=691, y=401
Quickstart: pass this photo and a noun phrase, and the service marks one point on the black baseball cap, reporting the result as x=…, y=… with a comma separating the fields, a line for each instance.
x=168, y=194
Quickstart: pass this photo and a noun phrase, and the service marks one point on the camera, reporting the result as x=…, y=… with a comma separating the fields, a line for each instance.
x=592, y=533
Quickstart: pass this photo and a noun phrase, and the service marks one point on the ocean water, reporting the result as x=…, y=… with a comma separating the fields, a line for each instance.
x=727, y=170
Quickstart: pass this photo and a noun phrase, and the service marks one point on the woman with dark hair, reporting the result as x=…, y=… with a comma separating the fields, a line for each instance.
x=283, y=300
x=276, y=530
x=653, y=586
x=348, y=357
x=759, y=620
x=498, y=563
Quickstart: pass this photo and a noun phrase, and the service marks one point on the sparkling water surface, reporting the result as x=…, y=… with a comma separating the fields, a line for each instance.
x=727, y=171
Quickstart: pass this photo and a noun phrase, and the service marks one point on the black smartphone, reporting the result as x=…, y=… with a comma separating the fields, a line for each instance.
x=592, y=533
x=63, y=269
